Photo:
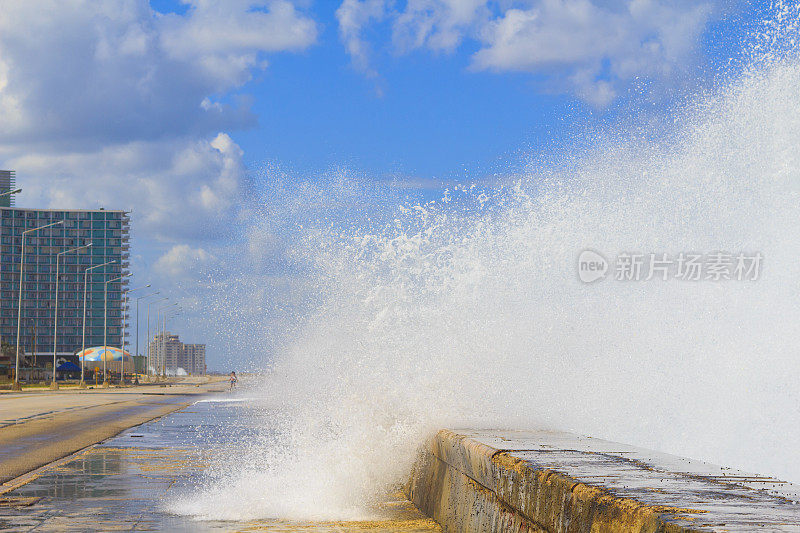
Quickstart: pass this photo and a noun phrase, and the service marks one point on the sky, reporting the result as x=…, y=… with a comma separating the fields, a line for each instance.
x=207, y=118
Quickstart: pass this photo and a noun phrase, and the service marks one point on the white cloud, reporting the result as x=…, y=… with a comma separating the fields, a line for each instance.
x=439, y=25
x=596, y=47
x=180, y=260
x=435, y=24
x=353, y=16
x=109, y=103
x=178, y=189
x=74, y=73
x=224, y=38
x=591, y=48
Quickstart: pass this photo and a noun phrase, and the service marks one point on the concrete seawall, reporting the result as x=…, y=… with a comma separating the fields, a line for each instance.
x=534, y=481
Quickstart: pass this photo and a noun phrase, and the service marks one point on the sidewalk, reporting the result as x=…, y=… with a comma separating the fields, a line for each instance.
x=28, y=404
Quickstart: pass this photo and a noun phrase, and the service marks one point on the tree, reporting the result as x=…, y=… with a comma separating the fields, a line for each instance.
x=9, y=351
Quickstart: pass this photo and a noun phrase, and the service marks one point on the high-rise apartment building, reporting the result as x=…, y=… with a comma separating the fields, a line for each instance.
x=168, y=354
x=108, y=232
x=7, y=183
x=195, y=359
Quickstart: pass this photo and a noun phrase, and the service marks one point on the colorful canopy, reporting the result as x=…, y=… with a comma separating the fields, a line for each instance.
x=98, y=353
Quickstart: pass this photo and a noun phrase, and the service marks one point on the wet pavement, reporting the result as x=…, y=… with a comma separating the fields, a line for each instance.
x=120, y=485
x=39, y=427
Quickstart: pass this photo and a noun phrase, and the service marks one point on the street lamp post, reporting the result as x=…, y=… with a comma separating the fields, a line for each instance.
x=83, y=335
x=54, y=385
x=7, y=193
x=163, y=347
x=16, y=385
x=105, y=324
x=124, y=306
x=175, y=313
x=149, y=355
x=137, y=321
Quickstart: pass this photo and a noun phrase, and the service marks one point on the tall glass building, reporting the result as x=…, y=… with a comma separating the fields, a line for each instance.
x=108, y=231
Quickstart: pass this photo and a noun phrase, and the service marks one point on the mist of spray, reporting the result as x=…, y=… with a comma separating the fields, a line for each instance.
x=469, y=313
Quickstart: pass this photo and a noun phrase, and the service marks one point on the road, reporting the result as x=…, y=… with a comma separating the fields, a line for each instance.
x=38, y=427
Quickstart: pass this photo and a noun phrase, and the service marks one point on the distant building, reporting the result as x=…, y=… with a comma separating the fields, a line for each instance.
x=168, y=354
x=107, y=231
x=164, y=353
x=195, y=358
x=7, y=183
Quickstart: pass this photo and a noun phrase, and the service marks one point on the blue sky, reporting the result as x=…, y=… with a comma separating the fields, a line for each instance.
x=433, y=117
x=427, y=114
x=182, y=111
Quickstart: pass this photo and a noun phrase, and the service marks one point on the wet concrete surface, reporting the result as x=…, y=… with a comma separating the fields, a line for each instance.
x=715, y=498
x=122, y=484
x=32, y=443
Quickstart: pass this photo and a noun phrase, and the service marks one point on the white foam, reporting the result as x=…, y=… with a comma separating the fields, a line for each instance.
x=471, y=314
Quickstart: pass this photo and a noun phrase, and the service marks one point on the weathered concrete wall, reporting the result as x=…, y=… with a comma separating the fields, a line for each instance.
x=525, y=483
x=458, y=502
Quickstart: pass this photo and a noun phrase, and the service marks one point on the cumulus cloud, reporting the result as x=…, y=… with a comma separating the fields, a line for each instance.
x=74, y=73
x=180, y=260
x=109, y=103
x=439, y=25
x=587, y=47
x=353, y=16
x=178, y=189
x=596, y=47
x=223, y=38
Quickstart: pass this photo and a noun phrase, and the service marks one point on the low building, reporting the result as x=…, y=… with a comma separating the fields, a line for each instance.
x=169, y=356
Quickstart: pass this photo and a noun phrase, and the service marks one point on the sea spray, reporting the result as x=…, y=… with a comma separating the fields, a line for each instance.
x=469, y=313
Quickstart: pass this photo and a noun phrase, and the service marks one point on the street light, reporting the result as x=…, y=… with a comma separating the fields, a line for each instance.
x=163, y=336
x=177, y=312
x=163, y=347
x=149, y=360
x=16, y=385
x=15, y=191
x=83, y=336
x=54, y=385
x=124, y=306
x=105, y=324
x=137, y=318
